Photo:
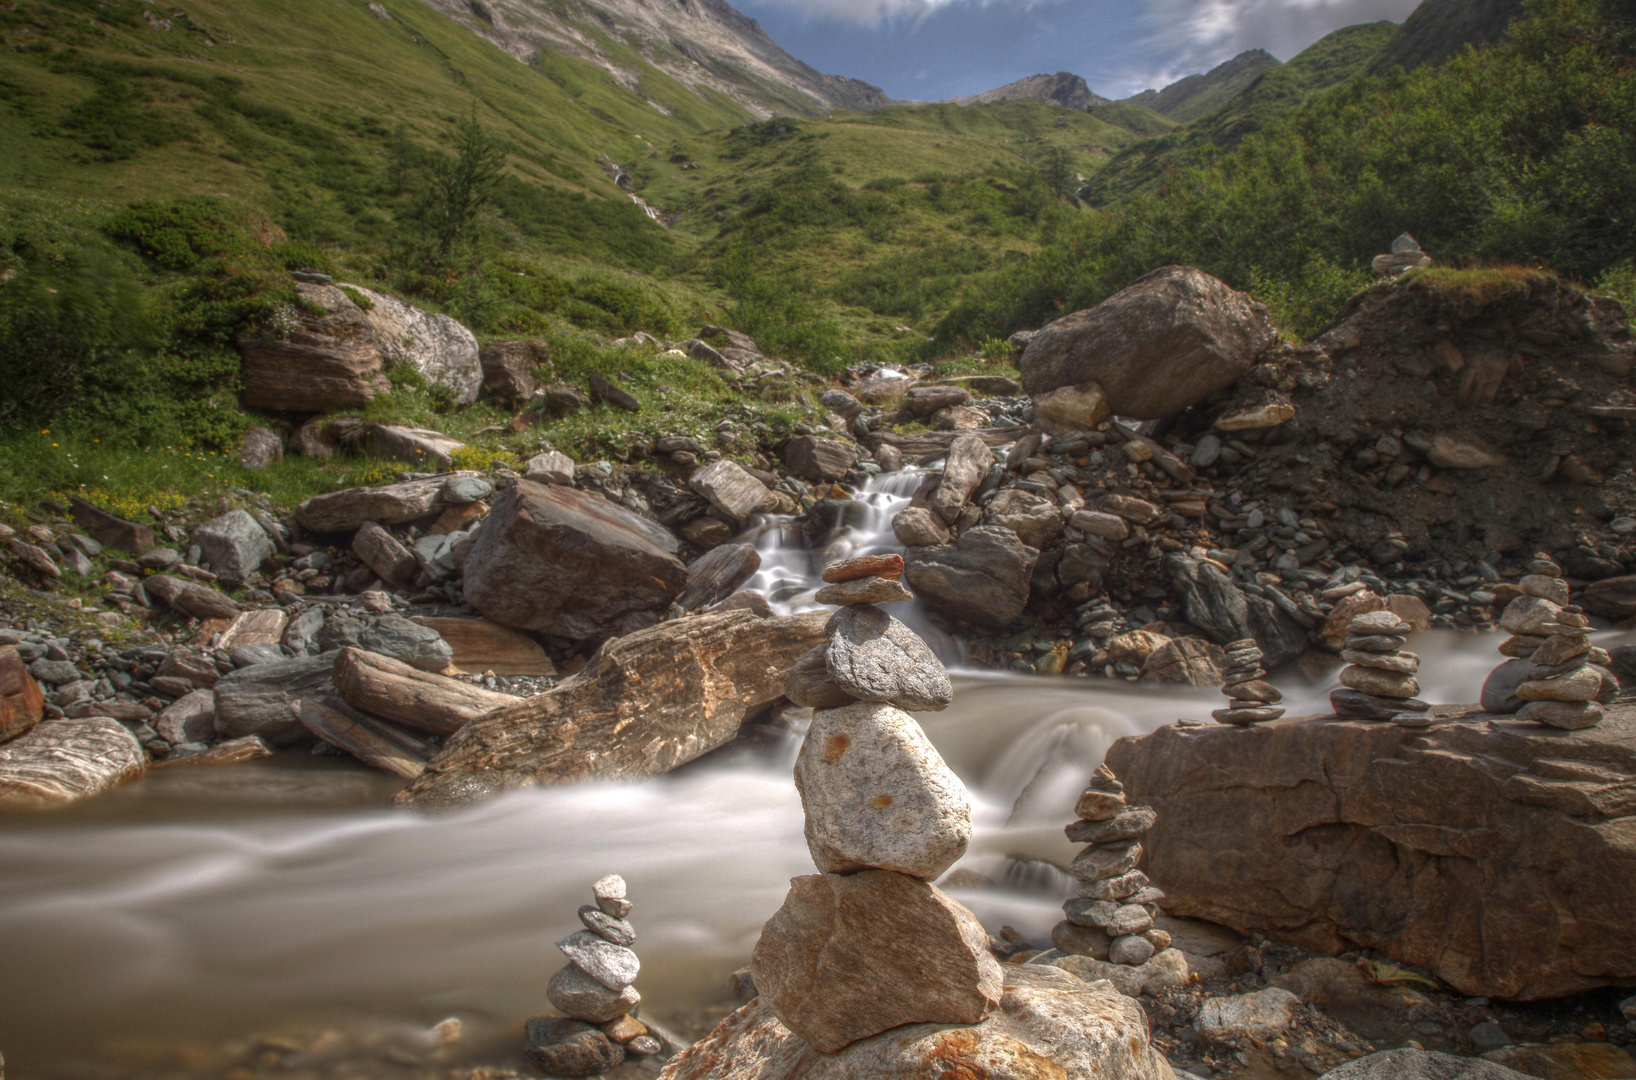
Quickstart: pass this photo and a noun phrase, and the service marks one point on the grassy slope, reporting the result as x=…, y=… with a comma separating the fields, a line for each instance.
x=1327, y=63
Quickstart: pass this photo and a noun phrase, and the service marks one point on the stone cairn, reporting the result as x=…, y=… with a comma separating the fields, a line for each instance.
x=869, y=943
x=1250, y=699
x=1555, y=675
x=1379, y=681
x=1112, y=917
x=593, y=992
x=1404, y=256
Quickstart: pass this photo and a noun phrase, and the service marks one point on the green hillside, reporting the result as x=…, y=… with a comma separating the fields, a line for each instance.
x=1197, y=96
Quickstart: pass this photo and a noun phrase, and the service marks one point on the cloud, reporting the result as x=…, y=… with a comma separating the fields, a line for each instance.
x=1196, y=35
x=874, y=13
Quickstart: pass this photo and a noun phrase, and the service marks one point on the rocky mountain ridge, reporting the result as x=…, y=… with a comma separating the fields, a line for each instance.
x=1064, y=88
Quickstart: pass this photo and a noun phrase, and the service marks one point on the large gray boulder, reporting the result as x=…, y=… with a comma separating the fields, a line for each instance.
x=256, y=700
x=982, y=578
x=1170, y=340
x=556, y=560
x=1227, y=613
x=1420, y=1065
x=233, y=546
x=315, y=362
x=442, y=351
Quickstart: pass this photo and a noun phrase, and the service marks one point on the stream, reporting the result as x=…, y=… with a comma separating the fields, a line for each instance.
x=199, y=905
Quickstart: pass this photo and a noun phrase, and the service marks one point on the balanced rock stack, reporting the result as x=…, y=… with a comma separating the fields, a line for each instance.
x=1112, y=917
x=869, y=944
x=1251, y=700
x=593, y=992
x=1379, y=681
x=1566, y=683
x=1543, y=595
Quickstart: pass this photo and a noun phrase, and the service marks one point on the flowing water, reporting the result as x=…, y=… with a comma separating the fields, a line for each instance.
x=203, y=904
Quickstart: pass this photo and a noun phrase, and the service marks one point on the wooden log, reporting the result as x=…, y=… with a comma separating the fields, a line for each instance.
x=231, y=752
x=392, y=690
x=261, y=627
x=63, y=760
x=480, y=645
x=21, y=703
x=370, y=741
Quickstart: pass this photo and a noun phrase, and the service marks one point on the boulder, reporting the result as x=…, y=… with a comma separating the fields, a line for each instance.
x=1261, y=1015
x=646, y=703
x=109, y=530
x=877, y=794
x=389, y=504
x=509, y=370
x=923, y=401
x=1071, y=408
x=550, y=467
x=982, y=578
x=1420, y=1065
x=318, y=362
x=442, y=351
x=556, y=560
x=1492, y=852
x=409, y=642
x=726, y=486
x=965, y=467
x=60, y=761
x=427, y=450
x=1170, y=340
x=874, y=657
x=1226, y=613
x=1164, y=970
x=715, y=575
x=849, y=957
x=1610, y=598
x=259, y=448
x=1181, y=661
x=191, y=598
x=21, y=703
x=191, y=718
x=818, y=460
x=1037, y=521
x=917, y=526
x=256, y=700
x=385, y=555
x=233, y=546
x=1048, y=1025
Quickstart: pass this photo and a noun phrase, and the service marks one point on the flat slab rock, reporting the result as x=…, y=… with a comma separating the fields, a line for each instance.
x=64, y=760
x=1049, y=1025
x=1496, y=853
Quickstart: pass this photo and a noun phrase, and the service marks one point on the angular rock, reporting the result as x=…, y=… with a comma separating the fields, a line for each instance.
x=1529, y=615
x=425, y=449
x=1261, y=1015
x=389, y=504
x=1493, y=852
x=392, y=636
x=1567, y=715
x=1610, y=598
x=563, y=1047
x=926, y=400
x=614, y=966
x=34, y=557
x=810, y=685
x=607, y=927
x=256, y=700
x=21, y=703
x=442, y=351
x=191, y=718
x=818, y=460
x=647, y=702
x=1421, y=1065
x=984, y=577
x=233, y=546
x=1068, y=409
x=864, y=591
x=60, y=761
x=919, y=527
x=717, y=574
x=1102, y=862
x=877, y=794
x=560, y=561
x=731, y=490
x=1094, y=805
x=1036, y=521
x=320, y=363
x=1380, y=683
x=259, y=448
x=509, y=369
x=849, y=957
x=1171, y=339
x=382, y=553
x=191, y=598
x=549, y=467
x=604, y=390
x=967, y=463
x=1226, y=613
x=874, y=657
x=1096, y=523
x=1181, y=662
x=109, y=530
x=1049, y=1024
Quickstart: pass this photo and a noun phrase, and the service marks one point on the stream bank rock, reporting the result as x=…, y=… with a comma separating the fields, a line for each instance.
x=1494, y=852
x=557, y=560
x=1048, y=1025
x=64, y=760
x=646, y=703
x=320, y=363
x=982, y=578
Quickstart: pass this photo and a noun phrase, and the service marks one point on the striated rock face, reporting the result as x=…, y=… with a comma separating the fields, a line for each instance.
x=442, y=351
x=849, y=957
x=1049, y=1026
x=63, y=760
x=322, y=363
x=21, y=703
x=1168, y=341
x=561, y=561
x=646, y=703
x=983, y=577
x=1498, y=854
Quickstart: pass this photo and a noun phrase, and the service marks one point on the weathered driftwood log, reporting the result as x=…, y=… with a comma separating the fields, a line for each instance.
x=231, y=752
x=21, y=703
x=63, y=760
x=371, y=741
x=646, y=703
x=392, y=690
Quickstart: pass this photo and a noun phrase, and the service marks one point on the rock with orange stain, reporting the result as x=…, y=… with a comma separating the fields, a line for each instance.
x=877, y=794
x=886, y=566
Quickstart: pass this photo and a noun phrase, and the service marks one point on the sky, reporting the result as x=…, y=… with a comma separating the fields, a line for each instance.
x=928, y=50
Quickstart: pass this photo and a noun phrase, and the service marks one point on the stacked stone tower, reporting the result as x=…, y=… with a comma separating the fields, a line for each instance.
x=1555, y=675
x=869, y=943
x=1250, y=698
x=1379, y=681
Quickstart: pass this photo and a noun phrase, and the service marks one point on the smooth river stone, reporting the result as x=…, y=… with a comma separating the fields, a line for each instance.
x=1500, y=688
x=849, y=957
x=1571, y=715
x=1129, y=919
x=1378, y=622
x=1406, y=663
x=869, y=590
x=574, y=993
x=1380, y=683
x=1582, y=684
x=614, y=966
x=1559, y=649
x=874, y=657
x=864, y=566
x=1358, y=706
x=808, y=683
x=876, y=794
x=1248, y=715
x=1127, y=825
x=1529, y=615
x=1131, y=949
x=1105, y=861
x=607, y=927
x=1253, y=690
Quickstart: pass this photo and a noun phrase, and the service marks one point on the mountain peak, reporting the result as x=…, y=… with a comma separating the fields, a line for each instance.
x=1198, y=95
x=1064, y=88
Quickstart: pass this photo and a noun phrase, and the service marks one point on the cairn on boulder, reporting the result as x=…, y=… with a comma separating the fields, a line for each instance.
x=1251, y=700
x=1112, y=916
x=593, y=992
x=1379, y=681
x=1404, y=256
x=1554, y=674
x=1544, y=595
x=870, y=944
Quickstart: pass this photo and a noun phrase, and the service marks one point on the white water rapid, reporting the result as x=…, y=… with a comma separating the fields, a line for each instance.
x=204, y=904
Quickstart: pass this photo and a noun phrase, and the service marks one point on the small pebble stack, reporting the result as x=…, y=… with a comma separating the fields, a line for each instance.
x=593, y=992
x=1112, y=917
x=1251, y=700
x=1544, y=595
x=1564, y=685
x=1379, y=682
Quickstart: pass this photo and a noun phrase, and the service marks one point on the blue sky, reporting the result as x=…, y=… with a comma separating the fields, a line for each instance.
x=934, y=49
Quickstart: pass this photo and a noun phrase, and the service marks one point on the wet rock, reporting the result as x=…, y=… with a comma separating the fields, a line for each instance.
x=818, y=460
x=874, y=657
x=256, y=700
x=984, y=577
x=715, y=575
x=1181, y=662
x=877, y=794
x=1048, y=1024
x=1166, y=342
x=508, y=370
x=1261, y=1015
x=323, y=362
x=60, y=761
x=848, y=957
x=919, y=527
x=560, y=561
